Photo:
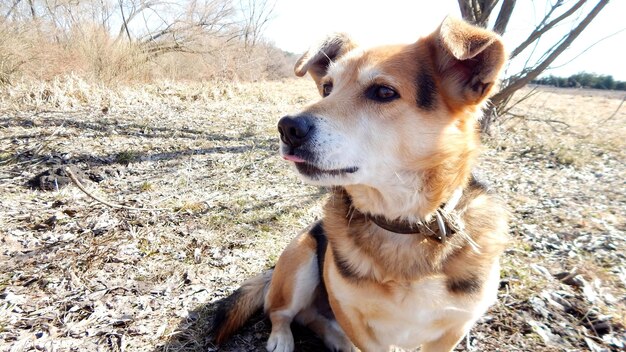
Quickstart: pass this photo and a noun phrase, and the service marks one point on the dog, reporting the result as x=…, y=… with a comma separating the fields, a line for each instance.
x=407, y=252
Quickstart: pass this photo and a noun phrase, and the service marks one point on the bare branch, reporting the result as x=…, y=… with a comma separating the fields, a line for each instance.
x=516, y=84
x=534, y=91
x=80, y=186
x=588, y=48
x=17, y=2
x=548, y=121
x=145, y=4
x=256, y=15
x=541, y=29
x=614, y=113
x=124, y=21
x=33, y=13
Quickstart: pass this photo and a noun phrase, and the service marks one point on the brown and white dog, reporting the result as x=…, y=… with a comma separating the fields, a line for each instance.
x=407, y=253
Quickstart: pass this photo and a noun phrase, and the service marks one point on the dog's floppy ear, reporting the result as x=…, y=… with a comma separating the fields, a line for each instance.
x=469, y=60
x=316, y=60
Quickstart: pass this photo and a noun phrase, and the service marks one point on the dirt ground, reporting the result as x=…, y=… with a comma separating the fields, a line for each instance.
x=219, y=205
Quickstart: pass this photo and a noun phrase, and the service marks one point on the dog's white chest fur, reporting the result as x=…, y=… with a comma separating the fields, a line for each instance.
x=411, y=314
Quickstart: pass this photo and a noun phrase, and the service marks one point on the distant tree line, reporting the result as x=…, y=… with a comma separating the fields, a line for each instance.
x=582, y=80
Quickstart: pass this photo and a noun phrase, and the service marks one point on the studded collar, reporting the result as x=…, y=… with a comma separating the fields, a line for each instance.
x=439, y=228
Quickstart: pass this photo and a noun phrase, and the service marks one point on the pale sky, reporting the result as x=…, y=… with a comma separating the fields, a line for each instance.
x=298, y=23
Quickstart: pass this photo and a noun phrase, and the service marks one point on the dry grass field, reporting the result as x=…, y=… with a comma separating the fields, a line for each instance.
x=220, y=205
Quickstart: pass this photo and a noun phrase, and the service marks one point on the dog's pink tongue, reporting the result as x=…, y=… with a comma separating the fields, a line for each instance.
x=293, y=158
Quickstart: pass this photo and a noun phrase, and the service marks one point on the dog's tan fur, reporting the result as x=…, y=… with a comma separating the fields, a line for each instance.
x=411, y=155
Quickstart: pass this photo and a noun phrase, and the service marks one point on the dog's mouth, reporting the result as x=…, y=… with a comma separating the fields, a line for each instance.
x=313, y=171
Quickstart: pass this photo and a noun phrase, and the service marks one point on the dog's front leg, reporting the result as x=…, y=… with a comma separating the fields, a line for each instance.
x=281, y=339
x=294, y=283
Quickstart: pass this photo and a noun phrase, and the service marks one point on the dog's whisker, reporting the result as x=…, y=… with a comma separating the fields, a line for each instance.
x=351, y=215
x=330, y=60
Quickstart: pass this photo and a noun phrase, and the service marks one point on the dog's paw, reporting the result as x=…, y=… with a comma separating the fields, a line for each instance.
x=280, y=342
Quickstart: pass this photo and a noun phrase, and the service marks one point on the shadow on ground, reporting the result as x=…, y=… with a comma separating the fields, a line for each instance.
x=126, y=157
x=37, y=152
x=106, y=125
x=192, y=334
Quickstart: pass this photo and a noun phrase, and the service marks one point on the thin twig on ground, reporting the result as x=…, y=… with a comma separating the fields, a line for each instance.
x=80, y=186
x=550, y=122
x=615, y=112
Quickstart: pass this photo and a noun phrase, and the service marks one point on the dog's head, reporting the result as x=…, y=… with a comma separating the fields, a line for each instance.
x=392, y=116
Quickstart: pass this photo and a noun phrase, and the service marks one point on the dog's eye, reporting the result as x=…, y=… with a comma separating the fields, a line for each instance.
x=381, y=94
x=326, y=89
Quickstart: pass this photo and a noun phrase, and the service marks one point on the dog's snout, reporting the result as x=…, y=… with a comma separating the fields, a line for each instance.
x=294, y=130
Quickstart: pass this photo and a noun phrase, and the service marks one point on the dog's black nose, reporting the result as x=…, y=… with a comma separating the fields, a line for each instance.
x=294, y=131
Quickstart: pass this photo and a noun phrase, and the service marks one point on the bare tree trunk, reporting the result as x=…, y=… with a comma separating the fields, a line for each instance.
x=477, y=11
x=504, y=16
